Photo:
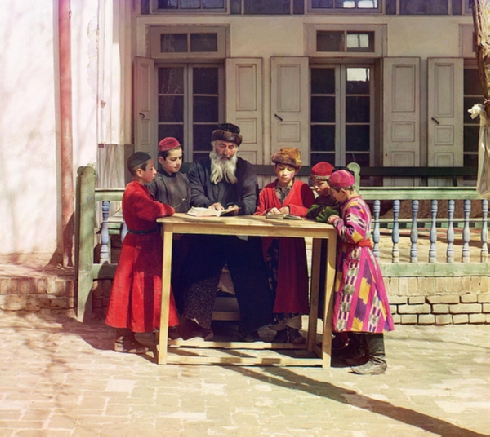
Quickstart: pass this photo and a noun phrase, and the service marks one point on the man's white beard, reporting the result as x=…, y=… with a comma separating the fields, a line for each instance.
x=223, y=168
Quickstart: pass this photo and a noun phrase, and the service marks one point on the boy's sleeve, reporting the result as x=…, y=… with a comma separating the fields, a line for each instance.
x=146, y=208
x=307, y=199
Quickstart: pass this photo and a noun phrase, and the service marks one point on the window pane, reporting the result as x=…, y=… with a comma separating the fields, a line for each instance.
x=330, y=41
x=322, y=139
x=322, y=109
x=361, y=158
x=472, y=82
x=367, y=4
x=213, y=4
x=204, y=42
x=470, y=160
x=360, y=42
x=176, y=42
x=357, y=138
x=471, y=138
x=322, y=81
x=315, y=158
x=357, y=81
x=170, y=108
x=167, y=4
x=171, y=130
x=206, y=109
x=171, y=80
x=321, y=3
x=357, y=109
x=202, y=137
x=267, y=7
x=190, y=4
x=425, y=7
x=205, y=81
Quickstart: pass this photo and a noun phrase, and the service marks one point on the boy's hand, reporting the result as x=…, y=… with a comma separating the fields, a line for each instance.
x=274, y=211
x=332, y=218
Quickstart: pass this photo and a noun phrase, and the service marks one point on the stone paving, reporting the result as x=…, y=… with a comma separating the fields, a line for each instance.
x=59, y=377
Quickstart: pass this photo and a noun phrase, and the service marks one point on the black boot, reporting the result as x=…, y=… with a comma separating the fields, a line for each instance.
x=356, y=353
x=126, y=342
x=377, y=358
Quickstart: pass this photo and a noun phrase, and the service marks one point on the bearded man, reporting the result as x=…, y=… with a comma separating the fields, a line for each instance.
x=221, y=181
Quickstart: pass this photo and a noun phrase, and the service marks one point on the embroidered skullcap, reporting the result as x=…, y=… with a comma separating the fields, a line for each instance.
x=168, y=144
x=341, y=179
x=227, y=132
x=137, y=159
x=288, y=156
x=322, y=170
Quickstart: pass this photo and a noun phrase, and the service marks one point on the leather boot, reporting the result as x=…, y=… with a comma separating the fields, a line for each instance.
x=126, y=342
x=377, y=358
x=356, y=353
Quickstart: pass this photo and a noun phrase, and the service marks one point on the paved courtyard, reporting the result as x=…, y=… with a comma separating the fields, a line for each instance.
x=59, y=377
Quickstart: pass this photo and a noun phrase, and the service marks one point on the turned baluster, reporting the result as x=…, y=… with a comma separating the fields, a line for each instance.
x=376, y=233
x=395, y=235
x=466, y=231
x=484, y=231
x=450, y=232
x=414, y=233
x=104, y=232
x=433, y=231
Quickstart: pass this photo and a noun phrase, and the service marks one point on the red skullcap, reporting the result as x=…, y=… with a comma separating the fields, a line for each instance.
x=321, y=170
x=341, y=179
x=168, y=144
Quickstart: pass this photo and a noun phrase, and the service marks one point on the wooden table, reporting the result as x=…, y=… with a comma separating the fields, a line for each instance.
x=257, y=226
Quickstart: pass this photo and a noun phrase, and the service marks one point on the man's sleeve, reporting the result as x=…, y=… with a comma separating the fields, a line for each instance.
x=196, y=177
x=248, y=201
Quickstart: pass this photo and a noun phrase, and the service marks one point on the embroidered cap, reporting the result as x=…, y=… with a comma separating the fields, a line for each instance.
x=227, y=132
x=288, y=156
x=322, y=170
x=341, y=179
x=168, y=144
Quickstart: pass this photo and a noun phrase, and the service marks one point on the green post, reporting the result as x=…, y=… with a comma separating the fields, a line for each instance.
x=84, y=241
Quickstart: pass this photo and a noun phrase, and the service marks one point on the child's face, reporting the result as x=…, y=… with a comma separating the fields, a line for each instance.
x=321, y=187
x=340, y=196
x=285, y=174
x=147, y=175
x=172, y=163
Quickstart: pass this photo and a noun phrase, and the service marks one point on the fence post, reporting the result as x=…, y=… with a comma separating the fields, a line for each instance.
x=84, y=240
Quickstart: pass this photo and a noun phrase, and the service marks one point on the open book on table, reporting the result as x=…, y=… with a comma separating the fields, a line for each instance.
x=198, y=211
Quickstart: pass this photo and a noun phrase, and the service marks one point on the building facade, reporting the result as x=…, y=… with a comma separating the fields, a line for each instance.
x=378, y=82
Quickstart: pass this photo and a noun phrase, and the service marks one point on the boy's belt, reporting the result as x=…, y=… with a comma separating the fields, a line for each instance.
x=143, y=232
x=363, y=243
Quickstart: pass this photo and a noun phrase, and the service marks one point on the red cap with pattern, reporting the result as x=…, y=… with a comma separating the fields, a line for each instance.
x=341, y=179
x=168, y=144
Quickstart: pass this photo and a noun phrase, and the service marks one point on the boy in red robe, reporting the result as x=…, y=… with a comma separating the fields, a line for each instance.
x=136, y=292
x=286, y=257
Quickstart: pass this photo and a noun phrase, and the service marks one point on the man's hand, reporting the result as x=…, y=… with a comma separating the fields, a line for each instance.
x=274, y=211
x=235, y=209
x=217, y=206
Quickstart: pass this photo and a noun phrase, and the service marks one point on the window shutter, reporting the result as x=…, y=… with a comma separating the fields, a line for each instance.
x=143, y=105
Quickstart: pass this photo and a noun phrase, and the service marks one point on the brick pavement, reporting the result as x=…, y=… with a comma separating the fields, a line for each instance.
x=59, y=377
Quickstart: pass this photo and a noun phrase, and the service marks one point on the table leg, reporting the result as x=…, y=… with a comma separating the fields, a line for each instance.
x=166, y=287
x=316, y=255
x=328, y=305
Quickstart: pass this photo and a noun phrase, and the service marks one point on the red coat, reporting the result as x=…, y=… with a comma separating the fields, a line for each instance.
x=292, y=277
x=137, y=288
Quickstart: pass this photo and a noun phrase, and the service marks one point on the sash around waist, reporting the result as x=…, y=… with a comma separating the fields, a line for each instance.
x=142, y=232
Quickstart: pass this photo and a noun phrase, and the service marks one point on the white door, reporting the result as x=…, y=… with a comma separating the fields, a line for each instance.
x=244, y=104
x=445, y=112
x=143, y=104
x=401, y=109
x=290, y=110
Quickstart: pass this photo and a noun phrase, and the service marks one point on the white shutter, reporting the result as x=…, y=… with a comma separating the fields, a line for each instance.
x=445, y=112
x=401, y=108
x=244, y=104
x=143, y=105
x=290, y=105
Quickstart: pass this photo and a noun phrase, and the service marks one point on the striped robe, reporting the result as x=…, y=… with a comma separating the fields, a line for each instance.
x=360, y=299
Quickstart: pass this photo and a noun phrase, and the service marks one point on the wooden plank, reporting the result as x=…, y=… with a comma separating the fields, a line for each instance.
x=85, y=255
x=258, y=345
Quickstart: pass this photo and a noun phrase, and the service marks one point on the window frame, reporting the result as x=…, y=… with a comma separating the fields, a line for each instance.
x=351, y=11
x=222, y=36
x=154, y=10
x=379, y=31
